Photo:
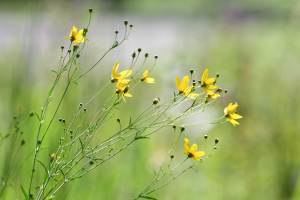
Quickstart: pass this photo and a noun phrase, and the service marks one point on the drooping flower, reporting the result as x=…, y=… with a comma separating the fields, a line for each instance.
x=122, y=88
x=146, y=77
x=76, y=36
x=192, y=151
x=207, y=83
x=120, y=76
x=184, y=88
x=231, y=115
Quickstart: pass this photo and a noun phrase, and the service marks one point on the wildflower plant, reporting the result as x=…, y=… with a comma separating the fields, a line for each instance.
x=82, y=147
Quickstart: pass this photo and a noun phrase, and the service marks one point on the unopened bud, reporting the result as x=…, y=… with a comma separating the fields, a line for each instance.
x=156, y=100
x=133, y=55
x=216, y=141
x=182, y=129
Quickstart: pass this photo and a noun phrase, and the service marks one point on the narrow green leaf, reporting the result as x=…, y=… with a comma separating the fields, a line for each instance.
x=44, y=167
x=148, y=197
x=54, y=71
x=141, y=137
x=24, y=193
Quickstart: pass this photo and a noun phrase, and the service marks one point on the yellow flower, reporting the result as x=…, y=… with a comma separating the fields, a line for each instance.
x=208, y=84
x=184, y=88
x=116, y=76
x=231, y=115
x=191, y=151
x=76, y=36
x=146, y=78
x=122, y=88
x=211, y=95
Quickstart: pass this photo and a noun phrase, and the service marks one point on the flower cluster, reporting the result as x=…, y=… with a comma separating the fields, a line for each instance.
x=123, y=78
x=210, y=90
x=82, y=147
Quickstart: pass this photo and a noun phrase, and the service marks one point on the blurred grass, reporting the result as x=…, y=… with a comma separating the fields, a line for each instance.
x=258, y=60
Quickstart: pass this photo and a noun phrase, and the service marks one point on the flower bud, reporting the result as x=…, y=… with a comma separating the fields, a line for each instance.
x=156, y=100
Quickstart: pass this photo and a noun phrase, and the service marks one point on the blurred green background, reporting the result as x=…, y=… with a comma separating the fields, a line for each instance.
x=254, y=45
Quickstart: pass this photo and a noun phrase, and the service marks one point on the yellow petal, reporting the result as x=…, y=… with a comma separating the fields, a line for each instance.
x=187, y=91
x=149, y=80
x=233, y=122
x=204, y=75
x=114, y=72
x=127, y=94
x=125, y=73
x=198, y=155
x=186, y=141
x=145, y=74
x=186, y=146
x=210, y=81
x=235, y=116
x=193, y=148
x=185, y=82
x=232, y=107
x=73, y=31
x=124, y=82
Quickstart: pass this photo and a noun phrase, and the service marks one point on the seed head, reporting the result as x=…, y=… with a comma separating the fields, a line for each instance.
x=22, y=142
x=156, y=100
x=216, y=141
x=133, y=55
x=192, y=70
x=194, y=82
